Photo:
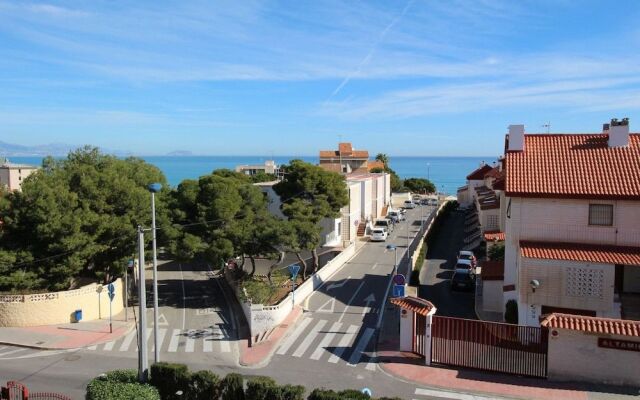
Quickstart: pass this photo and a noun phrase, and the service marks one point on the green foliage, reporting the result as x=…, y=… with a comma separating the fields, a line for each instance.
x=232, y=387
x=78, y=217
x=511, y=312
x=496, y=251
x=169, y=378
x=120, y=385
x=291, y=392
x=396, y=182
x=262, y=177
x=323, y=394
x=419, y=185
x=352, y=394
x=204, y=385
x=261, y=388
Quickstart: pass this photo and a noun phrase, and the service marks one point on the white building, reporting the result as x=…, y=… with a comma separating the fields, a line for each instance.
x=572, y=219
x=269, y=167
x=12, y=175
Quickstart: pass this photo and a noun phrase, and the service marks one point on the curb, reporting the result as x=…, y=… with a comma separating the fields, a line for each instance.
x=36, y=347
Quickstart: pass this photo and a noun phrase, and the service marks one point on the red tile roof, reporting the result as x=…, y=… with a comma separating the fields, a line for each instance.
x=375, y=164
x=597, y=253
x=574, y=166
x=478, y=174
x=493, y=173
x=415, y=304
x=606, y=326
x=492, y=270
x=490, y=236
x=345, y=150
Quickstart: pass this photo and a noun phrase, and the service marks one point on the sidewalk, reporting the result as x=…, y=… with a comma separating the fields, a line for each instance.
x=69, y=335
x=259, y=354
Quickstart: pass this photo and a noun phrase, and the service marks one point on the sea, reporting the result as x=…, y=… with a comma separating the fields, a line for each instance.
x=447, y=173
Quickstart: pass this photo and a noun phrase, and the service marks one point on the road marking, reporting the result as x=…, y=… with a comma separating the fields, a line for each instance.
x=330, y=311
x=310, y=338
x=184, y=302
x=225, y=346
x=162, y=320
x=94, y=347
x=450, y=395
x=326, y=340
x=368, y=300
x=127, y=340
x=11, y=352
x=175, y=340
x=207, y=342
x=345, y=342
x=191, y=342
x=350, y=301
x=374, y=266
x=362, y=345
x=371, y=365
x=109, y=345
x=339, y=285
x=289, y=341
x=161, y=334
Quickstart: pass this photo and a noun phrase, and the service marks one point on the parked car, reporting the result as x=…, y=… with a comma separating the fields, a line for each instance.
x=467, y=255
x=424, y=202
x=383, y=224
x=396, y=216
x=416, y=198
x=433, y=202
x=378, y=235
x=465, y=264
x=409, y=204
x=463, y=279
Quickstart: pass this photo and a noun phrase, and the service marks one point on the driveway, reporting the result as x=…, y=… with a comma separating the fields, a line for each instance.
x=438, y=268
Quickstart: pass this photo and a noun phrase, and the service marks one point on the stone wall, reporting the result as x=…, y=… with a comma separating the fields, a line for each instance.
x=58, y=307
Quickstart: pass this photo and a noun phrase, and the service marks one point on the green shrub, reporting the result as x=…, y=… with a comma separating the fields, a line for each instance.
x=232, y=387
x=204, y=385
x=169, y=378
x=102, y=389
x=511, y=312
x=260, y=388
x=389, y=398
x=291, y=392
x=323, y=394
x=121, y=375
x=352, y=394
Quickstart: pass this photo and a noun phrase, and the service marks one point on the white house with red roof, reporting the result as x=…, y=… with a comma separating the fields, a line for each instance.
x=572, y=223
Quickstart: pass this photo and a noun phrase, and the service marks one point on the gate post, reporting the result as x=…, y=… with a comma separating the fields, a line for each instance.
x=427, y=336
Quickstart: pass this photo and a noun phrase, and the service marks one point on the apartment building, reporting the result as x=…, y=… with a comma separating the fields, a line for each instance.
x=572, y=219
x=347, y=160
x=12, y=175
x=269, y=167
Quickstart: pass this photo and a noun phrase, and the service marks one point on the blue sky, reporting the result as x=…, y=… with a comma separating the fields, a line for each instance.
x=417, y=77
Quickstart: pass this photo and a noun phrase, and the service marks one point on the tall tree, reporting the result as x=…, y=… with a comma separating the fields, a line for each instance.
x=419, y=185
x=309, y=194
x=396, y=182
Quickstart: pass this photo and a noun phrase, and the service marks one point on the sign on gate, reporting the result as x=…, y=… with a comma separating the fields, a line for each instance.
x=398, y=290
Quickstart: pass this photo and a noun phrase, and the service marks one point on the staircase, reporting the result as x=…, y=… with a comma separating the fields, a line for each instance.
x=385, y=211
x=362, y=228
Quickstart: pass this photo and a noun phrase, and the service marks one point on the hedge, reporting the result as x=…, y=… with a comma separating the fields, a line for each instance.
x=120, y=385
x=232, y=387
x=169, y=379
x=204, y=385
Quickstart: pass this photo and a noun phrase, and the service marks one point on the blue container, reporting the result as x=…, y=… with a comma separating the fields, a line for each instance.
x=77, y=315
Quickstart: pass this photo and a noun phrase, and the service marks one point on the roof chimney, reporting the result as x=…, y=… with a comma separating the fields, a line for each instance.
x=605, y=128
x=516, y=138
x=619, y=133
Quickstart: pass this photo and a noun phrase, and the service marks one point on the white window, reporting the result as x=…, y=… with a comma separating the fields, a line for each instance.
x=601, y=214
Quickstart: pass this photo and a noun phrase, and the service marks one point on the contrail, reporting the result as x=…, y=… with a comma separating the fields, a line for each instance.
x=369, y=55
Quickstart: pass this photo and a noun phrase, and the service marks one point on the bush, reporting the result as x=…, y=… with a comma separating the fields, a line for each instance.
x=352, y=394
x=204, y=385
x=291, y=392
x=169, y=378
x=323, y=394
x=511, y=312
x=232, y=387
x=120, y=385
x=260, y=388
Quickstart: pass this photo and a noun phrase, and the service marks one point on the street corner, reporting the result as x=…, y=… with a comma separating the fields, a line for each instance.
x=259, y=352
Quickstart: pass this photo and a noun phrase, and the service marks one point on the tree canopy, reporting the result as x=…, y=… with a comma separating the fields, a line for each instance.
x=396, y=182
x=77, y=217
x=419, y=185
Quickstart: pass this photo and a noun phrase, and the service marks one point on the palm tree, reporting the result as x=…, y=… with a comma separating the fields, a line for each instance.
x=384, y=159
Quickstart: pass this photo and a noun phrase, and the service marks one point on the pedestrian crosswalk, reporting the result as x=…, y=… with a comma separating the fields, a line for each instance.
x=208, y=340
x=322, y=340
x=448, y=395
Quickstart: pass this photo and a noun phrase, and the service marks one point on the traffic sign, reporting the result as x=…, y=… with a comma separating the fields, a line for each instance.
x=399, y=279
x=398, y=290
x=367, y=391
x=293, y=270
x=111, y=296
x=111, y=288
x=130, y=264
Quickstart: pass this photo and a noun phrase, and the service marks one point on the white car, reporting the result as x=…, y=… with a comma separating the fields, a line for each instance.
x=409, y=204
x=467, y=255
x=378, y=235
x=465, y=264
x=396, y=216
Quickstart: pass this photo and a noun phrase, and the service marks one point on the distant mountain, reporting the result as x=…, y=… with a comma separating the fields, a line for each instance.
x=180, y=153
x=51, y=149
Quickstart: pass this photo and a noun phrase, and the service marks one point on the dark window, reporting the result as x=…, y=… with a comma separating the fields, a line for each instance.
x=601, y=214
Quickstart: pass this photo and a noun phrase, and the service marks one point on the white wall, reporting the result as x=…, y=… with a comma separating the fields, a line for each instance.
x=492, y=296
x=575, y=355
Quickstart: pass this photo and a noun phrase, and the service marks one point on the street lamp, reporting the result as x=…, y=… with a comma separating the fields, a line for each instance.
x=428, y=169
x=143, y=361
x=155, y=188
x=395, y=249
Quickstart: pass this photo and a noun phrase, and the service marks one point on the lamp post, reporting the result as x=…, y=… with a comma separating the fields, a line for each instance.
x=395, y=250
x=155, y=188
x=126, y=289
x=143, y=361
x=428, y=170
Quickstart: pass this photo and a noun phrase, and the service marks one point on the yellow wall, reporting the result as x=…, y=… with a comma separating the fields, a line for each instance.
x=57, y=308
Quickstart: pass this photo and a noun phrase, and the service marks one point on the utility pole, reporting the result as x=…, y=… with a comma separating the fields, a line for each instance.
x=143, y=361
x=154, y=188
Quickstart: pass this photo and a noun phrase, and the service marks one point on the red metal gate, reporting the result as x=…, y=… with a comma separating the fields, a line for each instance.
x=419, y=331
x=520, y=350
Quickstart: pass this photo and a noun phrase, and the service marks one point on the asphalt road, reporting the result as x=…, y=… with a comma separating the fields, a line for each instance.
x=438, y=269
